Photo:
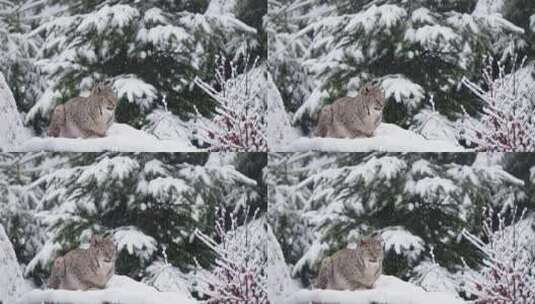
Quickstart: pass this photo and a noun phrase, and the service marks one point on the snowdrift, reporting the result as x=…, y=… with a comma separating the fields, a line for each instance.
x=120, y=137
x=120, y=290
x=388, y=137
x=388, y=290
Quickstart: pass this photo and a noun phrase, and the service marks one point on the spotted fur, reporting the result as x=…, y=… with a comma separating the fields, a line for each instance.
x=350, y=117
x=85, y=116
x=351, y=269
x=83, y=269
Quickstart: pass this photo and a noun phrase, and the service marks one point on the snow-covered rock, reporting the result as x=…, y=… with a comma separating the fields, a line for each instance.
x=280, y=131
x=120, y=290
x=280, y=284
x=11, y=129
x=388, y=137
x=388, y=290
x=11, y=281
x=120, y=137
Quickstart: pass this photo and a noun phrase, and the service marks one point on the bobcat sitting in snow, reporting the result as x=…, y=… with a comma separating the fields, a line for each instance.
x=85, y=116
x=353, y=116
x=83, y=269
x=353, y=269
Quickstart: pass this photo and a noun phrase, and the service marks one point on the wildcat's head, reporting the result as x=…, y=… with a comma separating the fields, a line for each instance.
x=105, y=248
x=374, y=94
x=105, y=95
x=372, y=248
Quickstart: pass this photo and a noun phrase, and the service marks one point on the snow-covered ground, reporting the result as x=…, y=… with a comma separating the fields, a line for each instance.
x=120, y=137
x=120, y=290
x=388, y=290
x=388, y=137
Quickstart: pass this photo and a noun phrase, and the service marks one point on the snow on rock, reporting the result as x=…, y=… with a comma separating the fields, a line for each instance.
x=11, y=281
x=120, y=137
x=388, y=137
x=280, y=284
x=280, y=132
x=10, y=123
x=165, y=277
x=120, y=290
x=388, y=290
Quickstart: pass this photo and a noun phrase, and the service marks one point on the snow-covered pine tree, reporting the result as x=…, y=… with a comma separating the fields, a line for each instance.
x=146, y=202
x=418, y=49
x=151, y=50
x=506, y=274
x=321, y=202
x=20, y=49
x=239, y=273
x=20, y=196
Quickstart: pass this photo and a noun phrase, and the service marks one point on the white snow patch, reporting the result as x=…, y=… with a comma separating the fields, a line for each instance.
x=388, y=290
x=485, y=7
x=388, y=137
x=135, y=242
x=135, y=90
x=107, y=17
x=220, y=7
x=403, y=91
x=120, y=290
x=403, y=243
x=120, y=137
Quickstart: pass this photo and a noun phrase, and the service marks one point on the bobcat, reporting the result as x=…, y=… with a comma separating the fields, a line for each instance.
x=83, y=269
x=353, y=268
x=353, y=116
x=85, y=116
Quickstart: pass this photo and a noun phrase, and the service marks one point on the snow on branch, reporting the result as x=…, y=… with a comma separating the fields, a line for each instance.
x=239, y=123
x=506, y=122
x=507, y=273
x=239, y=274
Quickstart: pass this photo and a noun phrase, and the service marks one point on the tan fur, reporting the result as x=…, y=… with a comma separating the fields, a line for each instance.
x=83, y=269
x=85, y=116
x=350, y=117
x=352, y=269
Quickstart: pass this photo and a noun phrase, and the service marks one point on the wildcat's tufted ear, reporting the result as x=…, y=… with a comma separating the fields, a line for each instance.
x=97, y=88
x=95, y=239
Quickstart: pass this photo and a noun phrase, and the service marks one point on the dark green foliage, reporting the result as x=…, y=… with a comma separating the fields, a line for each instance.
x=334, y=198
x=519, y=12
x=104, y=203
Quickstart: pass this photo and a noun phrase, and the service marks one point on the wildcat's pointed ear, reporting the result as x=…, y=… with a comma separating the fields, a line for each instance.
x=97, y=88
x=94, y=240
